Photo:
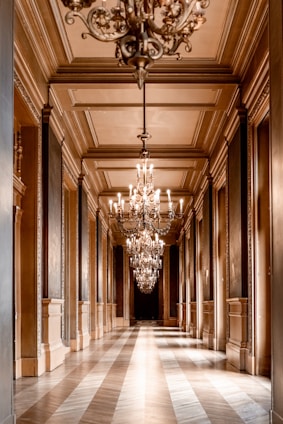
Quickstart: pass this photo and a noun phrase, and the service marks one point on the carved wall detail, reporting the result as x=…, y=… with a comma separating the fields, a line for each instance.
x=20, y=87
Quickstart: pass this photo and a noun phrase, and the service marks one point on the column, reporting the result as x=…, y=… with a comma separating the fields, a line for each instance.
x=237, y=252
x=6, y=207
x=192, y=276
x=99, y=252
x=276, y=104
x=83, y=265
x=207, y=268
x=52, y=311
x=19, y=191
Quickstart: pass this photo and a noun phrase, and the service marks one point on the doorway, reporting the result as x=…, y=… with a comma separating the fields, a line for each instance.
x=146, y=305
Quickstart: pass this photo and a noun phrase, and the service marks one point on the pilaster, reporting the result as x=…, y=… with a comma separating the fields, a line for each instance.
x=193, y=320
x=184, y=316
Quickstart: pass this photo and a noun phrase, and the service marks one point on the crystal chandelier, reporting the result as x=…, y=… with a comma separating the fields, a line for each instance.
x=143, y=212
x=145, y=256
x=143, y=244
x=146, y=260
x=143, y=30
x=146, y=270
x=146, y=278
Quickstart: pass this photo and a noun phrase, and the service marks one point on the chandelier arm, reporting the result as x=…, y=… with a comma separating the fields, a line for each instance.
x=129, y=232
x=178, y=40
x=129, y=46
x=179, y=23
x=98, y=22
x=161, y=231
x=125, y=45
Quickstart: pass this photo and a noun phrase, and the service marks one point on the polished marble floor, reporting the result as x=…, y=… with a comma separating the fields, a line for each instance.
x=143, y=375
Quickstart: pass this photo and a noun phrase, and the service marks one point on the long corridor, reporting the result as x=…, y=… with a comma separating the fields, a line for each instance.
x=143, y=375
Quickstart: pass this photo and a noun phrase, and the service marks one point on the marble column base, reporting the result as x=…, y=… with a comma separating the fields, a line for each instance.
x=53, y=348
x=208, y=324
x=99, y=321
x=84, y=336
x=236, y=348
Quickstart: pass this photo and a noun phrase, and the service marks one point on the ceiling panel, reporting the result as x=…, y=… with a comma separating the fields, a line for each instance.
x=121, y=96
x=123, y=178
x=165, y=126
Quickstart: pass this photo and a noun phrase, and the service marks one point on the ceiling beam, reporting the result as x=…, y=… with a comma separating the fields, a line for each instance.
x=107, y=71
x=155, y=153
x=174, y=193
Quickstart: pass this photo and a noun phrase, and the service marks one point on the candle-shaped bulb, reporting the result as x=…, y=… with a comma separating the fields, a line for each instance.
x=151, y=169
x=169, y=195
x=123, y=204
x=110, y=205
x=119, y=199
x=131, y=189
x=181, y=205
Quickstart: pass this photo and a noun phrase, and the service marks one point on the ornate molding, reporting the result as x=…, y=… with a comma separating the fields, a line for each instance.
x=257, y=106
x=21, y=89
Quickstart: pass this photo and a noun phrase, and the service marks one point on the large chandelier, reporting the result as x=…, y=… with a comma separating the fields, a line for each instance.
x=143, y=212
x=146, y=278
x=145, y=257
x=144, y=251
x=143, y=244
x=144, y=30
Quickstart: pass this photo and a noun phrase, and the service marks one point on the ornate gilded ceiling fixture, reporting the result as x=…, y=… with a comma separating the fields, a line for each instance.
x=143, y=30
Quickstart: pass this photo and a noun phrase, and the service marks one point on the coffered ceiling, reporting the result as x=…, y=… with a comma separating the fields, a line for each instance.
x=102, y=107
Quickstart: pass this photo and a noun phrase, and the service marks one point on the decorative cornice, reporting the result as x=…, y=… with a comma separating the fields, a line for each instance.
x=21, y=89
x=257, y=106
